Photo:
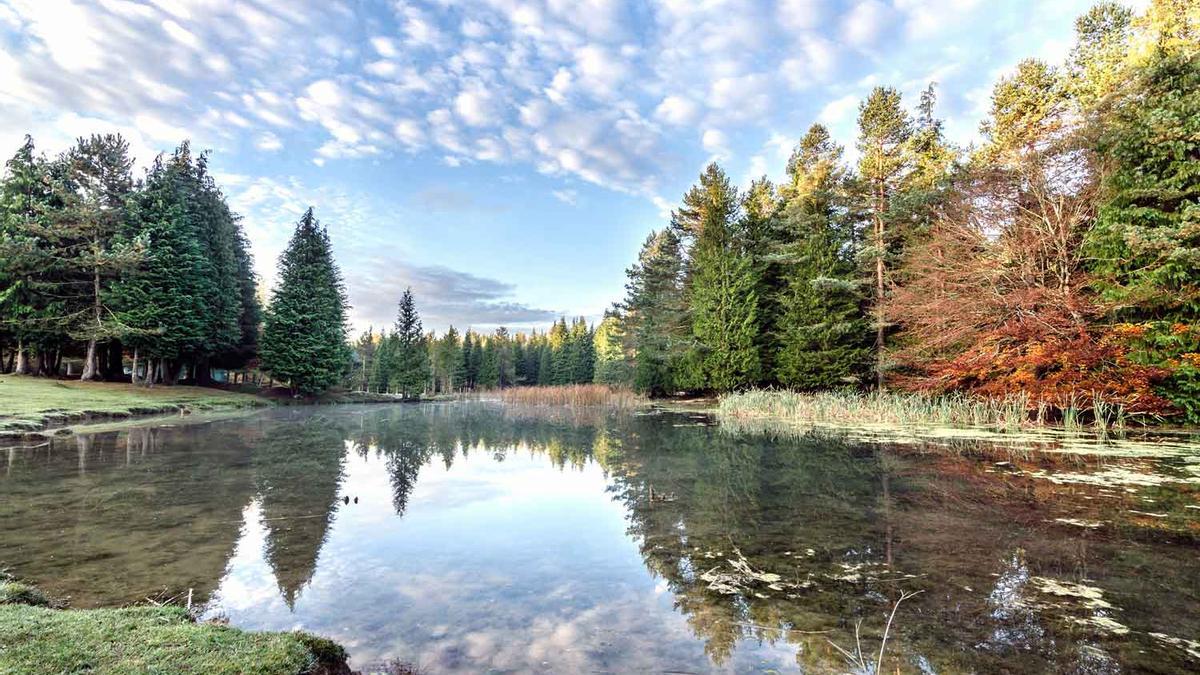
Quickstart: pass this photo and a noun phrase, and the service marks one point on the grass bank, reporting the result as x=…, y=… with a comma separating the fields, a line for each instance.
x=35, y=403
x=911, y=409
x=574, y=396
x=37, y=638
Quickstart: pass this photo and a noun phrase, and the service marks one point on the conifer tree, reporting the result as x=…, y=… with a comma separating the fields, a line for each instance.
x=654, y=310
x=822, y=334
x=95, y=187
x=304, y=332
x=27, y=263
x=612, y=367
x=725, y=318
x=883, y=133
x=722, y=289
x=411, y=359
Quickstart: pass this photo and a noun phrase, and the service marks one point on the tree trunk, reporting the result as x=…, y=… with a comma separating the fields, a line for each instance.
x=133, y=378
x=22, y=366
x=115, y=370
x=879, y=244
x=89, y=362
x=57, y=362
x=202, y=374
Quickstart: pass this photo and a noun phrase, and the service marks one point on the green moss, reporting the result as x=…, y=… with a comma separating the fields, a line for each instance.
x=150, y=640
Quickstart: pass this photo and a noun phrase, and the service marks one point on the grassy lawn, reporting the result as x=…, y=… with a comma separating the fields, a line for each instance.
x=150, y=640
x=32, y=403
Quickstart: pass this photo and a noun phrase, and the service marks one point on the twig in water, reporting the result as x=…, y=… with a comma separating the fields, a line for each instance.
x=856, y=659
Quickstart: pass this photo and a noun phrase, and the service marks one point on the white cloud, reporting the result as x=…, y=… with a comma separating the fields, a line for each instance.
x=268, y=142
x=566, y=196
x=677, y=110
x=409, y=132
x=181, y=34
x=865, y=22
x=475, y=105
x=837, y=111
x=385, y=47
x=715, y=141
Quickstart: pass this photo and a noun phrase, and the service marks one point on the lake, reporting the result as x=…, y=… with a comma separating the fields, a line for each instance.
x=467, y=537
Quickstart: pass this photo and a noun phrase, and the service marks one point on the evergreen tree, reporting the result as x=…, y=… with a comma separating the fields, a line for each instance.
x=304, y=332
x=467, y=361
x=384, y=364
x=725, y=318
x=822, y=334
x=722, y=289
x=28, y=267
x=612, y=367
x=761, y=236
x=1145, y=247
x=654, y=310
x=883, y=134
x=95, y=188
x=412, y=361
x=489, y=365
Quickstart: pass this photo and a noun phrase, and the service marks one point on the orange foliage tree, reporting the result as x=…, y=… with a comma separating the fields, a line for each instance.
x=995, y=300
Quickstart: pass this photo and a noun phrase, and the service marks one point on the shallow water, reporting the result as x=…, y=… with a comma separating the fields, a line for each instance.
x=469, y=538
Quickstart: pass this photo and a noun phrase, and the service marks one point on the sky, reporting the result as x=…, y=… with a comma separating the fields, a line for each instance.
x=504, y=158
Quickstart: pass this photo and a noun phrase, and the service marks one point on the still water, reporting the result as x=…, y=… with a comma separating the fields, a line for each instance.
x=466, y=537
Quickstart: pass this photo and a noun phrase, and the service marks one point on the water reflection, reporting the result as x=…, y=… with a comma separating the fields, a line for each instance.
x=463, y=537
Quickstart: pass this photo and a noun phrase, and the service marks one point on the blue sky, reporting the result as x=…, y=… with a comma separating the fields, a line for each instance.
x=505, y=158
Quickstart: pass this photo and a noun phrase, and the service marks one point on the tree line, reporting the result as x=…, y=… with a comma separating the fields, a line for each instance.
x=1058, y=259
x=409, y=363
x=102, y=269
x=95, y=265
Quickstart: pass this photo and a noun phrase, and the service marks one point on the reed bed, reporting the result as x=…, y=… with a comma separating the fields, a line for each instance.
x=574, y=396
x=906, y=409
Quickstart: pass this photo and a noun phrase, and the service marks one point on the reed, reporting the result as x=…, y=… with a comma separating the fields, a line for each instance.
x=574, y=396
x=905, y=409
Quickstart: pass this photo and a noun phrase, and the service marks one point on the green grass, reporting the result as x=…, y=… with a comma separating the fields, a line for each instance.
x=143, y=640
x=33, y=403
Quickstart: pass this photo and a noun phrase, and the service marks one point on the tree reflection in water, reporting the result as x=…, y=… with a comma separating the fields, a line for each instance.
x=759, y=538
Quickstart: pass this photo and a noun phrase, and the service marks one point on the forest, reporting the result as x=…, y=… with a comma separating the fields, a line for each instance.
x=1057, y=258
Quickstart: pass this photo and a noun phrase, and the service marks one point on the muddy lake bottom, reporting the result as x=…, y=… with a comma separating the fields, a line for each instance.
x=469, y=537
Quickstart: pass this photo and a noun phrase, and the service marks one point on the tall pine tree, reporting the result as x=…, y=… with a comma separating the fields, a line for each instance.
x=304, y=334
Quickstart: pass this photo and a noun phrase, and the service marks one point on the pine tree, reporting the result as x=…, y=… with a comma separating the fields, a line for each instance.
x=822, y=334
x=412, y=362
x=384, y=364
x=722, y=287
x=304, y=334
x=883, y=133
x=1145, y=247
x=28, y=267
x=654, y=310
x=95, y=188
x=760, y=236
x=163, y=300
x=612, y=367
x=489, y=365
x=725, y=318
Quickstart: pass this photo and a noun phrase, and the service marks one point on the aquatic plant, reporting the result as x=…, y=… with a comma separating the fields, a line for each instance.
x=574, y=395
x=1010, y=413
